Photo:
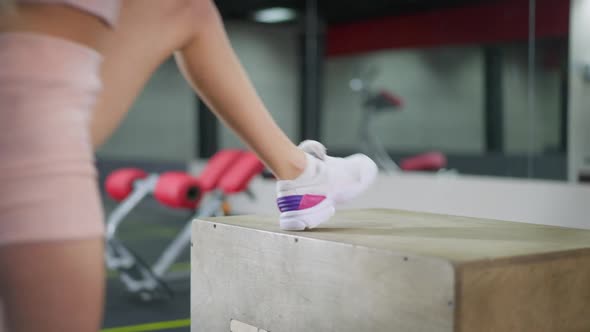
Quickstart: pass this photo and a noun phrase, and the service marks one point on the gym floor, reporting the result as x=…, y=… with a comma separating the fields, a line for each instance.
x=147, y=231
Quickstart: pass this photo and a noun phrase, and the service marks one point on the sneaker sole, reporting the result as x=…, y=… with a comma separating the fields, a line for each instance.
x=308, y=218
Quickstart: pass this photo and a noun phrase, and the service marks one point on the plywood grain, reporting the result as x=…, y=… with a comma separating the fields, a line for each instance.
x=541, y=293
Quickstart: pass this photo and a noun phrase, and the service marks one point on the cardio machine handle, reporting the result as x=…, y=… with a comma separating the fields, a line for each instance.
x=384, y=100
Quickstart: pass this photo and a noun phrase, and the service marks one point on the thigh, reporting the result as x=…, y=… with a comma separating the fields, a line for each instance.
x=52, y=286
x=148, y=32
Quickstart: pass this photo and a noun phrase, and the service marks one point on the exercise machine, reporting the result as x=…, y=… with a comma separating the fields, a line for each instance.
x=229, y=172
x=374, y=103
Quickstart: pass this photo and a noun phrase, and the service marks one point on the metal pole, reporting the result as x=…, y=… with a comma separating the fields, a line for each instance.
x=532, y=119
x=208, y=130
x=312, y=54
x=494, y=109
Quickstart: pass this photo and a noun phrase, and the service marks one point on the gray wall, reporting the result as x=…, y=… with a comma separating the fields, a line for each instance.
x=444, y=96
x=518, y=122
x=160, y=125
x=269, y=54
x=442, y=90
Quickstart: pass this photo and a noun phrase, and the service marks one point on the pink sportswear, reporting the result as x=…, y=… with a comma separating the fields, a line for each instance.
x=48, y=189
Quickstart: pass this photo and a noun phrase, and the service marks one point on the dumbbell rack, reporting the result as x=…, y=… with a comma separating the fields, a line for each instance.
x=229, y=172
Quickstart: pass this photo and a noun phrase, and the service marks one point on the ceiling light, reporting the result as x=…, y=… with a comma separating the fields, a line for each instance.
x=275, y=15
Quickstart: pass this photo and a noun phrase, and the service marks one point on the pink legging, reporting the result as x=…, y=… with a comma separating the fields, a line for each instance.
x=48, y=189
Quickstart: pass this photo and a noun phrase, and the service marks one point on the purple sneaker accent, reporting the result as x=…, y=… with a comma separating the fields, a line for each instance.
x=289, y=203
x=299, y=202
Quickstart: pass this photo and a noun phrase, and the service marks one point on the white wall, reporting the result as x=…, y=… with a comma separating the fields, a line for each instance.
x=536, y=202
x=579, y=98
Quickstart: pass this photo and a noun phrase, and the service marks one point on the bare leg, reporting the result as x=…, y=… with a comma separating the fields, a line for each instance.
x=146, y=35
x=149, y=32
x=53, y=287
x=47, y=285
x=210, y=63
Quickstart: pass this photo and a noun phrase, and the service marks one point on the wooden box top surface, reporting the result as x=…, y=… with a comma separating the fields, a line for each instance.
x=456, y=239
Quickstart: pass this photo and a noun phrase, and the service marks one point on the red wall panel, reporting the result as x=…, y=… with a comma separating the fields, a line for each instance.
x=500, y=21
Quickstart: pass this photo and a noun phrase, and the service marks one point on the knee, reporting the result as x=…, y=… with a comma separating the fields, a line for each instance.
x=183, y=18
x=196, y=14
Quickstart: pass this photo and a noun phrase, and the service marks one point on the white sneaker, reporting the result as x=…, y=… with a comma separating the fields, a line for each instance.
x=309, y=200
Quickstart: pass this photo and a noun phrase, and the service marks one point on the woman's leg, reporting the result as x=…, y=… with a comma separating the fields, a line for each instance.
x=51, y=258
x=52, y=287
x=211, y=65
x=311, y=183
x=194, y=30
x=147, y=34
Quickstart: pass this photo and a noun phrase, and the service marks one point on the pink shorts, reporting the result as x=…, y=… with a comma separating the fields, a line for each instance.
x=48, y=187
x=106, y=10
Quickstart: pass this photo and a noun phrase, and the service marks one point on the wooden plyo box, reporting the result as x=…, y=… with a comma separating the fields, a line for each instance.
x=386, y=270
